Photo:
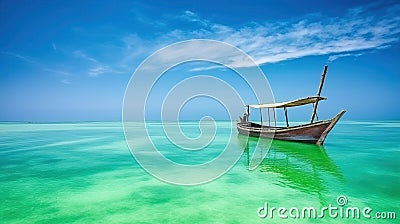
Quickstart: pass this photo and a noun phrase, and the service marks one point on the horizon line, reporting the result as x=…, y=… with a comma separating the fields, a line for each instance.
x=184, y=120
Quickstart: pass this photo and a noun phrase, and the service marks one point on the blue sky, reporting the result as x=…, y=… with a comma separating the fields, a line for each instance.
x=72, y=60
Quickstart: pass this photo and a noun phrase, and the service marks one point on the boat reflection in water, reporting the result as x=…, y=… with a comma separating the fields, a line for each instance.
x=305, y=167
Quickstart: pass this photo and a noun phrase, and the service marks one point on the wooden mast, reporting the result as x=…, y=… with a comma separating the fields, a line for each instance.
x=321, y=83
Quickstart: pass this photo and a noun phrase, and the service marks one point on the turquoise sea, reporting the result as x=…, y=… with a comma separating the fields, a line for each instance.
x=85, y=173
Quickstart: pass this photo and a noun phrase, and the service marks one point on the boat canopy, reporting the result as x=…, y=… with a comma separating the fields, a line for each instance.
x=293, y=103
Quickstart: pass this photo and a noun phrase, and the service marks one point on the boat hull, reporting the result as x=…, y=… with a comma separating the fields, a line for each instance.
x=314, y=133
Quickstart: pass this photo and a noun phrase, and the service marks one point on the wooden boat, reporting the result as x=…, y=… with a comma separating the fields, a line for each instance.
x=313, y=132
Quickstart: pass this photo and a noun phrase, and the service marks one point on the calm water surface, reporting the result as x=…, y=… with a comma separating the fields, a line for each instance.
x=85, y=173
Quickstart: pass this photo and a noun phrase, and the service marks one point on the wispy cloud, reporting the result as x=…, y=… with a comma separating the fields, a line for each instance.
x=81, y=54
x=273, y=42
x=59, y=72
x=41, y=66
x=197, y=69
x=359, y=29
x=193, y=17
x=20, y=57
x=98, y=70
x=336, y=56
x=65, y=81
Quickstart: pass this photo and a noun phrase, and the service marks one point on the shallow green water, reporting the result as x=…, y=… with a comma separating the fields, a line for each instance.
x=84, y=173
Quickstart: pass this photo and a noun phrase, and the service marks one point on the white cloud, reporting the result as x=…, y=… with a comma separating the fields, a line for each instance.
x=197, y=69
x=275, y=42
x=193, y=17
x=20, y=57
x=37, y=64
x=56, y=71
x=360, y=29
x=65, y=81
x=80, y=54
x=336, y=56
x=98, y=70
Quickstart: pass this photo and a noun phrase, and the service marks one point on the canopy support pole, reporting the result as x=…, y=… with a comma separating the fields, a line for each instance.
x=261, y=116
x=274, y=116
x=269, y=118
x=321, y=83
x=287, y=121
